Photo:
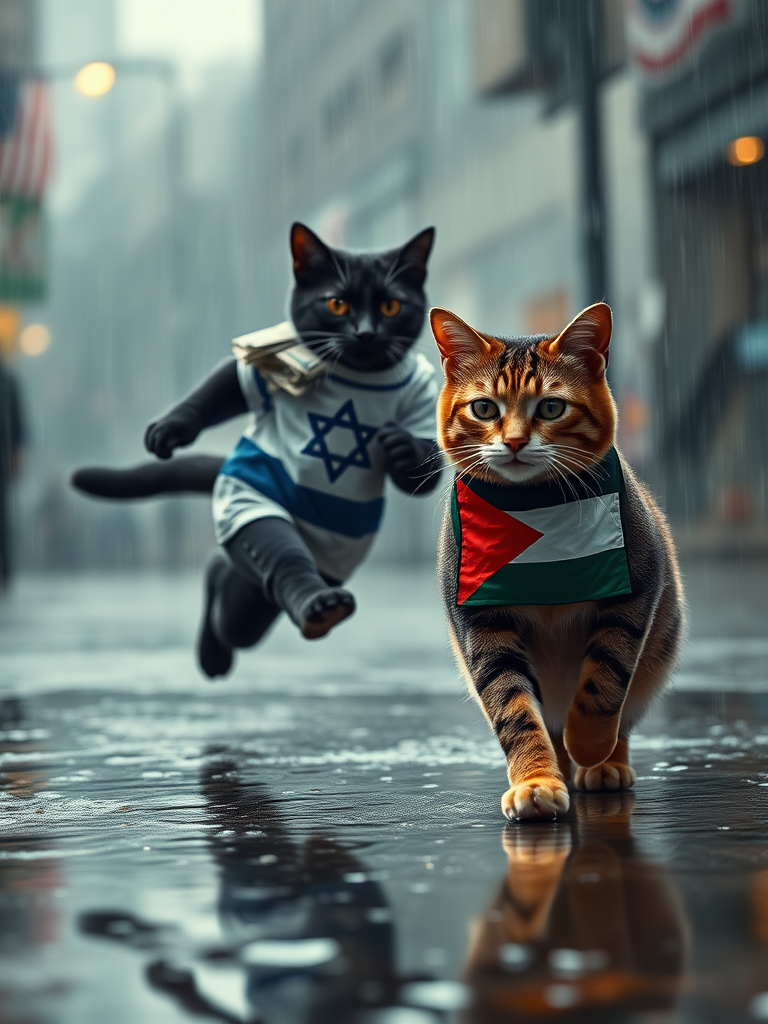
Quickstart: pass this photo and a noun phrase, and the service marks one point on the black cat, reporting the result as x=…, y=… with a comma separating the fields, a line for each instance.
x=299, y=501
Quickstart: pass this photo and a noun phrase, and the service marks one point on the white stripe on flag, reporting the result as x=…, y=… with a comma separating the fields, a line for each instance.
x=25, y=155
x=573, y=529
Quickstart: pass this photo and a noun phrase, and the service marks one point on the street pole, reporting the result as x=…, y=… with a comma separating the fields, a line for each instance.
x=584, y=60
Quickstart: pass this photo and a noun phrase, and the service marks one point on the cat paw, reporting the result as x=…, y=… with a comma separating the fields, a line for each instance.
x=324, y=611
x=610, y=775
x=215, y=660
x=213, y=656
x=589, y=742
x=543, y=797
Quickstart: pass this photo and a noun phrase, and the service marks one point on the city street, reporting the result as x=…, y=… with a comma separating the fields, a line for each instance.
x=319, y=838
x=579, y=194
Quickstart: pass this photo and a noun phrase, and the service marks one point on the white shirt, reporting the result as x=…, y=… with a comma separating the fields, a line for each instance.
x=315, y=459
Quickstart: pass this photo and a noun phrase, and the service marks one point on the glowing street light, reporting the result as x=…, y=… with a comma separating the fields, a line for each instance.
x=35, y=339
x=95, y=79
x=749, y=149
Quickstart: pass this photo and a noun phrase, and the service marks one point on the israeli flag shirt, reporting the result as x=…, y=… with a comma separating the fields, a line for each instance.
x=315, y=459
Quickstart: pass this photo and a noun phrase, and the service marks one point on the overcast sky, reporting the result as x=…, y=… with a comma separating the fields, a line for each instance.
x=193, y=33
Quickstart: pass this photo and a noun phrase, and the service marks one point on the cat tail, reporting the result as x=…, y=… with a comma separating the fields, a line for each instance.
x=188, y=474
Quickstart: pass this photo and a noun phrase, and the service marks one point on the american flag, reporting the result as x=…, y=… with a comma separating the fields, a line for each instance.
x=664, y=34
x=26, y=154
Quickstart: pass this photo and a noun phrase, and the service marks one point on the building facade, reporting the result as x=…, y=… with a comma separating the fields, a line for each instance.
x=704, y=73
x=375, y=123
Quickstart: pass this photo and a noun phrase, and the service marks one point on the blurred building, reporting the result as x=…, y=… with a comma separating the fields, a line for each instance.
x=377, y=121
x=169, y=223
x=703, y=66
x=381, y=118
x=152, y=261
x=25, y=157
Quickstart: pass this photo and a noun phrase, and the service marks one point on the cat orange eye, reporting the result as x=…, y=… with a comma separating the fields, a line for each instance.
x=390, y=307
x=338, y=306
x=485, y=409
x=550, y=409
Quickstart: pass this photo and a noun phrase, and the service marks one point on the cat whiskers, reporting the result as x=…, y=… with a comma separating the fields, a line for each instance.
x=580, y=456
x=441, y=459
x=397, y=268
x=321, y=342
x=575, y=461
x=397, y=347
x=562, y=472
x=327, y=346
x=494, y=461
x=329, y=353
x=343, y=275
x=566, y=462
x=459, y=449
x=332, y=359
x=480, y=460
x=559, y=476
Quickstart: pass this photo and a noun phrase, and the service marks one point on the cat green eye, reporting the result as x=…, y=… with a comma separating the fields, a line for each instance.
x=338, y=306
x=485, y=409
x=550, y=409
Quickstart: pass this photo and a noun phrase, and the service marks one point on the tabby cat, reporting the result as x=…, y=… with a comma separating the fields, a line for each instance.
x=558, y=572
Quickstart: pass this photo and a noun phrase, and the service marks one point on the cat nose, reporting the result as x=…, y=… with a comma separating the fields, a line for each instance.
x=365, y=336
x=515, y=443
x=364, y=325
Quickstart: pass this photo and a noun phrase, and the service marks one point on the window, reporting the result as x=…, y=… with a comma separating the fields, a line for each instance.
x=393, y=70
x=341, y=112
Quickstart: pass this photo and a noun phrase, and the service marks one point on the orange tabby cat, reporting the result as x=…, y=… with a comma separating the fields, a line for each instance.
x=557, y=569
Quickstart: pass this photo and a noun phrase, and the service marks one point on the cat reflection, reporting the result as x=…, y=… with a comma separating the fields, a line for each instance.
x=307, y=936
x=584, y=927
x=30, y=916
x=277, y=887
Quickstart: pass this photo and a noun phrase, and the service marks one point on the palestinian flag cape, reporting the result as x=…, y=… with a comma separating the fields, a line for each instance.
x=542, y=544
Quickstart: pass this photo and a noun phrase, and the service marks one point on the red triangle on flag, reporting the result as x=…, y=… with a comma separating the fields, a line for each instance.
x=490, y=539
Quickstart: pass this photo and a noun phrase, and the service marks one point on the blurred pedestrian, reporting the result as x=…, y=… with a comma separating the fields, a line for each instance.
x=12, y=438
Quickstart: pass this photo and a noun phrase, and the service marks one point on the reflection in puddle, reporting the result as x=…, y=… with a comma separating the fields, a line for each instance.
x=582, y=923
x=307, y=935
x=585, y=925
x=29, y=912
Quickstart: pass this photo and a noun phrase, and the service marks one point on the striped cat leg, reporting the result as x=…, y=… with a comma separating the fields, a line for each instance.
x=659, y=653
x=592, y=729
x=511, y=700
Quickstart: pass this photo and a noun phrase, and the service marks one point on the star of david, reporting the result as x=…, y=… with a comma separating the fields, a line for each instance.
x=346, y=419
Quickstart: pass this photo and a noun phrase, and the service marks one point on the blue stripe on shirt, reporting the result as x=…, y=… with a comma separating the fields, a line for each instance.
x=268, y=476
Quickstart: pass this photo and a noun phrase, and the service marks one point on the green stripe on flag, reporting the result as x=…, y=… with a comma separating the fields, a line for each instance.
x=574, y=580
x=455, y=519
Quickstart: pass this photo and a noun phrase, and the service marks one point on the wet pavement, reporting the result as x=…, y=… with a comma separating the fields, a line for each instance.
x=319, y=839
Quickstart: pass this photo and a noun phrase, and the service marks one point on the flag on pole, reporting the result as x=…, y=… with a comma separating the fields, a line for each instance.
x=25, y=165
x=25, y=154
x=663, y=35
x=547, y=543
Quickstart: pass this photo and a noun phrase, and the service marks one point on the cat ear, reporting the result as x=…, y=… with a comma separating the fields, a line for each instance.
x=587, y=336
x=310, y=253
x=458, y=342
x=412, y=258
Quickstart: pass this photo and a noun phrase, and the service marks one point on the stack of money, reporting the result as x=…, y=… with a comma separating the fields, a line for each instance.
x=279, y=356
